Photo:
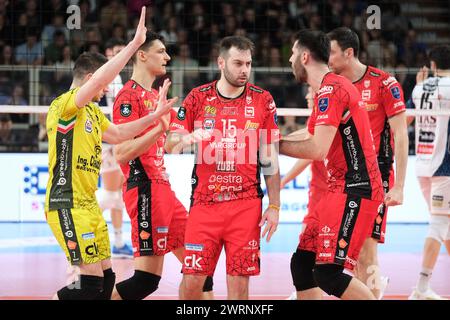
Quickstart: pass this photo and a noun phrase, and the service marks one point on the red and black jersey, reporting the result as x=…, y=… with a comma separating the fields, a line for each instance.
x=351, y=161
x=227, y=164
x=383, y=96
x=134, y=102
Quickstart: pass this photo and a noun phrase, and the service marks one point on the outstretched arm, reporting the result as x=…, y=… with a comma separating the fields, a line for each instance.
x=106, y=73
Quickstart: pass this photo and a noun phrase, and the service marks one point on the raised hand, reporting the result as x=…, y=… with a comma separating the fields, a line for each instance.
x=165, y=105
x=141, y=30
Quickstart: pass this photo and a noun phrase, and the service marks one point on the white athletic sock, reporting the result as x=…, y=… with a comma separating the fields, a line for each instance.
x=424, y=279
x=118, y=241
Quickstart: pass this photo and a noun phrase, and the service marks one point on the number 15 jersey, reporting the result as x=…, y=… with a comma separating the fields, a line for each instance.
x=227, y=163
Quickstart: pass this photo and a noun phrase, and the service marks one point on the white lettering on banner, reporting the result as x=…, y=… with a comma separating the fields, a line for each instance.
x=26, y=198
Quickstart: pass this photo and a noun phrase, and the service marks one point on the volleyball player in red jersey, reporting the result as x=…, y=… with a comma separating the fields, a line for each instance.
x=383, y=96
x=340, y=136
x=158, y=219
x=235, y=126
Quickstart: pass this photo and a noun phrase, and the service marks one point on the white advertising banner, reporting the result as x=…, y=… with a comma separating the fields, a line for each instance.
x=24, y=180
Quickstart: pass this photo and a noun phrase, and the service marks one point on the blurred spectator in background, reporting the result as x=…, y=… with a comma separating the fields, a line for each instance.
x=30, y=52
x=114, y=12
x=17, y=98
x=409, y=49
x=170, y=32
x=54, y=51
x=6, y=56
x=58, y=24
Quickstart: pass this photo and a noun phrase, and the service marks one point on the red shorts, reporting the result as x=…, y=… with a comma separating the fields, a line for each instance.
x=378, y=230
x=232, y=224
x=339, y=227
x=308, y=229
x=158, y=219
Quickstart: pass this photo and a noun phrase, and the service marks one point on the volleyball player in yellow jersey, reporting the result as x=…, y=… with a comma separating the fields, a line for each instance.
x=76, y=128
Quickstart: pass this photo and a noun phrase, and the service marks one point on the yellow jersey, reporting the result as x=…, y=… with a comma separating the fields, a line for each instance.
x=74, y=152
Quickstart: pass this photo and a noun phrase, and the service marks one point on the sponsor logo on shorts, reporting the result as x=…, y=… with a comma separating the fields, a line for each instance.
x=193, y=262
x=162, y=243
x=144, y=224
x=193, y=247
x=92, y=250
x=162, y=229
x=352, y=204
x=378, y=220
x=251, y=269
x=342, y=243
x=437, y=201
x=324, y=255
x=144, y=235
x=71, y=245
x=326, y=243
x=87, y=236
x=350, y=260
x=69, y=234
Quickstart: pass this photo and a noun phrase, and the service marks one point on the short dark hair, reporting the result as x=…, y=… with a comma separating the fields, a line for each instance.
x=316, y=42
x=239, y=42
x=86, y=63
x=441, y=56
x=111, y=43
x=345, y=38
x=150, y=37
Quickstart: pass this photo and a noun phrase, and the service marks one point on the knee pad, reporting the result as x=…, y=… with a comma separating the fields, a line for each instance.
x=439, y=227
x=88, y=288
x=111, y=200
x=302, y=265
x=139, y=286
x=208, y=286
x=109, y=279
x=332, y=279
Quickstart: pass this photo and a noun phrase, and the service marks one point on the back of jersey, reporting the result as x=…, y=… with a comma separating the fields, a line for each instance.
x=432, y=132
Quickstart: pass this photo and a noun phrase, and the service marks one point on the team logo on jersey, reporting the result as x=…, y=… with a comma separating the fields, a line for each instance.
x=366, y=94
x=125, y=109
x=229, y=111
x=395, y=92
x=323, y=104
x=209, y=124
x=88, y=126
x=251, y=125
x=248, y=99
x=366, y=83
x=249, y=112
x=181, y=115
x=210, y=111
x=149, y=105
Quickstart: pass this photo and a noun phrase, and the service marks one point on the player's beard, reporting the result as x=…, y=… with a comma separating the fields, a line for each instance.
x=230, y=79
x=300, y=73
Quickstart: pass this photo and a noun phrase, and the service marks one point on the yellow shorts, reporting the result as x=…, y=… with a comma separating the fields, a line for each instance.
x=81, y=233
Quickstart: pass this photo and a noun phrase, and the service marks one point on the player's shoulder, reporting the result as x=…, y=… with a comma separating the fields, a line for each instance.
x=62, y=99
x=383, y=77
x=332, y=83
x=256, y=90
x=130, y=87
x=204, y=89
